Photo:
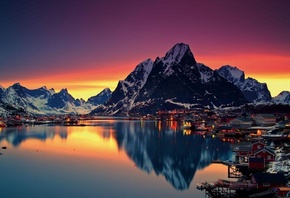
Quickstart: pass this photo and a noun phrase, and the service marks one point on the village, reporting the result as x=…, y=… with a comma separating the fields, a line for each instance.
x=262, y=158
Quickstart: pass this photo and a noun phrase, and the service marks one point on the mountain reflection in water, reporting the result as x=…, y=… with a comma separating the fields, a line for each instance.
x=169, y=153
x=152, y=146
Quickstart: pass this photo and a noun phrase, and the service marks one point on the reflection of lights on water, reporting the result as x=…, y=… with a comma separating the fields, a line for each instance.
x=186, y=132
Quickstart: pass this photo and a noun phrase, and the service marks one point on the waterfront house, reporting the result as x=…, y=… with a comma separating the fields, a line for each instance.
x=249, y=149
x=241, y=122
x=265, y=153
x=268, y=180
x=257, y=146
x=265, y=119
x=2, y=124
x=256, y=163
x=255, y=150
x=243, y=151
x=283, y=124
x=283, y=192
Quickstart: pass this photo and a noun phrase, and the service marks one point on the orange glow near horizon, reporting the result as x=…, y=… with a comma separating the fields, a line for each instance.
x=273, y=70
x=270, y=69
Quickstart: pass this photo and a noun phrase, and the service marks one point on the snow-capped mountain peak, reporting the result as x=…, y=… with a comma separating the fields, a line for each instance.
x=176, y=53
x=101, y=98
x=253, y=90
x=233, y=74
x=282, y=98
x=175, y=81
x=43, y=101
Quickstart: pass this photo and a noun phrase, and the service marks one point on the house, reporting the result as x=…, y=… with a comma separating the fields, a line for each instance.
x=265, y=119
x=256, y=163
x=241, y=122
x=243, y=151
x=257, y=146
x=265, y=153
x=268, y=180
x=283, y=124
x=283, y=192
x=249, y=149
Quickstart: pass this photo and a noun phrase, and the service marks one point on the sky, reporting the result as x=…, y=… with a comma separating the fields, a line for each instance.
x=86, y=46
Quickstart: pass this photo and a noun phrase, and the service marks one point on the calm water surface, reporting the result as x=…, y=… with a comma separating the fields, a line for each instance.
x=109, y=158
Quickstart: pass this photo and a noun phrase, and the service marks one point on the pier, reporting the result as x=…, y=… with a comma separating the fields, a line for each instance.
x=235, y=170
x=225, y=188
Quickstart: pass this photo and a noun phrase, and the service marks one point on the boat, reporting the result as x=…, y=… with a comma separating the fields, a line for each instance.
x=201, y=127
x=188, y=124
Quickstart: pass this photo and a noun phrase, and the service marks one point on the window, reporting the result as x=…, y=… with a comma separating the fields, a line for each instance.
x=266, y=184
x=269, y=157
x=259, y=146
x=258, y=156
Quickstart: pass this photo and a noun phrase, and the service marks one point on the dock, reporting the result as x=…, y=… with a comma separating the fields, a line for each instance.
x=235, y=169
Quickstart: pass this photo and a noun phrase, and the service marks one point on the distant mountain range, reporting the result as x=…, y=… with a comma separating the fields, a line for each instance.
x=174, y=81
x=47, y=101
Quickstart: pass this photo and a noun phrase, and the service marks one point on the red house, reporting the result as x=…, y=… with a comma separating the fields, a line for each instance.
x=265, y=153
x=283, y=192
x=268, y=180
x=249, y=150
x=256, y=163
x=257, y=146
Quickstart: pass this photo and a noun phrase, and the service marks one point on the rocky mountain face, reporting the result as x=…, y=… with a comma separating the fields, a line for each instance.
x=46, y=101
x=174, y=81
x=254, y=91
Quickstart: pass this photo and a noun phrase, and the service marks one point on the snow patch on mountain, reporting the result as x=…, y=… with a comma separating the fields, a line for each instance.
x=175, y=54
x=282, y=98
x=253, y=90
x=43, y=101
x=184, y=105
x=206, y=73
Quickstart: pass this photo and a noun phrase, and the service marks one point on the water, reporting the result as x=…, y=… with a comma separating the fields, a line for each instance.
x=109, y=158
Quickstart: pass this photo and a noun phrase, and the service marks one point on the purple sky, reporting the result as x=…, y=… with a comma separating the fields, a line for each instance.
x=56, y=38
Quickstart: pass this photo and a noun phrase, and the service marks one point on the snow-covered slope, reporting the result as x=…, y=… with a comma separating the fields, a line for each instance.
x=101, y=98
x=127, y=90
x=282, y=98
x=171, y=82
x=42, y=101
x=253, y=90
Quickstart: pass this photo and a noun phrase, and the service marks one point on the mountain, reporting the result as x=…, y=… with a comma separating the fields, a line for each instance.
x=253, y=90
x=282, y=98
x=101, y=98
x=43, y=101
x=174, y=81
